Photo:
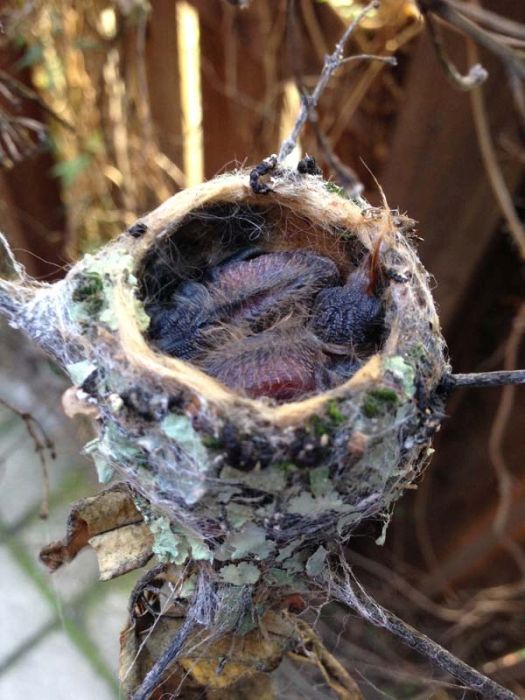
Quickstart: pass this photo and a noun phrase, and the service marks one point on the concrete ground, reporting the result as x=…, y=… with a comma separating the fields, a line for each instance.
x=59, y=633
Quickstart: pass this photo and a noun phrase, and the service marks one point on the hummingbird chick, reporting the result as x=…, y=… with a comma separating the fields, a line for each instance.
x=276, y=324
x=260, y=290
x=351, y=315
x=279, y=363
x=239, y=292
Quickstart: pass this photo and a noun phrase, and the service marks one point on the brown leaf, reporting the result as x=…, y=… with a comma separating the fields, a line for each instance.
x=122, y=550
x=113, y=525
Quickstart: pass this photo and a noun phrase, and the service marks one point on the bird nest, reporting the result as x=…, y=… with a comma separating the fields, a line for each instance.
x=264, y=370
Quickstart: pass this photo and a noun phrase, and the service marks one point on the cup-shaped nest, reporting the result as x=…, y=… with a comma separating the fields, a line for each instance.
x=265, y=369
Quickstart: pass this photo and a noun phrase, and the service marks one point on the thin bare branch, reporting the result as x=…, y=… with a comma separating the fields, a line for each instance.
x=476, y=75
x=310, y=102
x=448, y=12
x=491, y=20
x=351, y=593
x=500, y=424
x=484, y=379
x=44, y=447
x=345, y=176
x=492, y=167
x=389, y=60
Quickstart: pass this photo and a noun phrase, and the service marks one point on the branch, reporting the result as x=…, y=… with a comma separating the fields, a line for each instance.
x=500, y=424
x=490, y=160
x=345, y=176
x=198, y=613
x=454, y=14
x=43, y=444
x=170, y=655
x=491, y=20
x=355, y=597
x=310, y=102
x=476, y=74
x=483, y=379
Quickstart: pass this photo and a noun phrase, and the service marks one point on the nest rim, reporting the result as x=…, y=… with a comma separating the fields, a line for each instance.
x=288, y=194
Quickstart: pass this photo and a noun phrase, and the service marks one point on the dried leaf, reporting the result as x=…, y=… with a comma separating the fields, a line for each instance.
x=98, y=521
x=122, y=550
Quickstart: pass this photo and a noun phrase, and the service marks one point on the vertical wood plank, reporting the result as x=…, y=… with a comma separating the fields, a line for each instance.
x=31, y=208
x=240, y=54
x=163, y=78
x=435, y=173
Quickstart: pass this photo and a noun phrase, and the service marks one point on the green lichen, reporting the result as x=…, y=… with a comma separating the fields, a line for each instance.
x=80, y=371
x=232, y=611
x=105, y=470
x=240, y=574
x=403, y=371
x=92, y=291
x=315, y=564
x=271, y=480
x=88, y=292
x=238, y=514
x=199, y=549
x=285, y=467
x=320, y=483
x=296, y=563
x=187, y=588
x=180, y=429
x=249, y=541
x=113, y=447
x=331, y=419
x=380, y=401
x=319, y=426
x=335, y=189
x=211, y=442
x=117, y=446
x=168, y=546
x=174, y=543
x=287, y=552
x=278, y=577
x=306, y=504
x=417, y=353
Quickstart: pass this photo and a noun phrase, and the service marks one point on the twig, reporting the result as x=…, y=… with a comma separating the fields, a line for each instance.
x=346, y=177
x=389, y=60
x=500, y=424
x=518, y=95
x=200, y=612
x=484, y=379
x=43, y=445
x=455, y=17
x=476, y=74
x=491, y=20
x=311, y=649
x=13, y=89
x=492, y=167
x=173, y=651
x=354, y=596
x=331, y=64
